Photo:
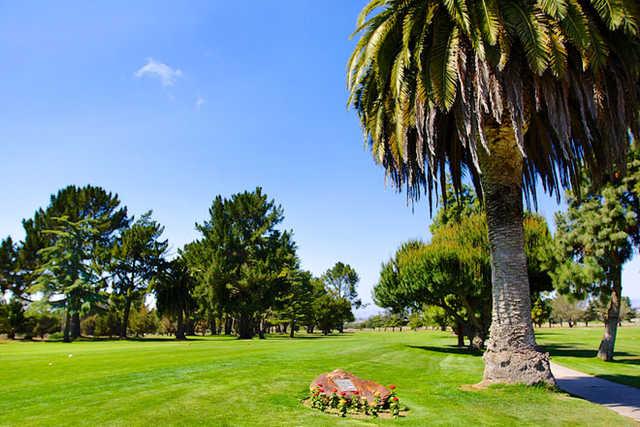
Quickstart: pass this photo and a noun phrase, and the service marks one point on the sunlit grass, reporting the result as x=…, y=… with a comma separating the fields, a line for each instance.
x=576, y=348
x=224, y=381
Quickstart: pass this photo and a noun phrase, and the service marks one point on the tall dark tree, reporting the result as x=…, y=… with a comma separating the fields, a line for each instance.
x=69, y=276
x=136, y=257
x=173, y=287
x=512, y=92
x=295, y=305
x=75, y=204
x=243, y=262
x=595, y=237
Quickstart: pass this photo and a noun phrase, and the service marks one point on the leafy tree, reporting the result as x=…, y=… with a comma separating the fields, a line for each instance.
x=10, y=277
x=511, y=93
x=541, y=311
x=243, y=263
x=144, y=321
x=567, y=309
x=75, y=204
x=453, y=271
x=42, y=320
x=173, y=288
x=332, y=312
x=595, y=237
x=342, y=280
x=296, y=305
x=69, y=276
x=135, y=258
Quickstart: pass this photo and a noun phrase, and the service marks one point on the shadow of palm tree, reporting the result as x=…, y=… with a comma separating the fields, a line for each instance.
x=564, y=350
x=450, y=349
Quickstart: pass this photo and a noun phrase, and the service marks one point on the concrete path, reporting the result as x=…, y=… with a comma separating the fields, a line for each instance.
x=621, y=398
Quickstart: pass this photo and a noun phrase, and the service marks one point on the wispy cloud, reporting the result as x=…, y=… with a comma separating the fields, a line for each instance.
x=200, y=101
x=159, y=70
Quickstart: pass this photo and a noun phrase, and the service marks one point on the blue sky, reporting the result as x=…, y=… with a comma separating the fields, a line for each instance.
x=171, y=103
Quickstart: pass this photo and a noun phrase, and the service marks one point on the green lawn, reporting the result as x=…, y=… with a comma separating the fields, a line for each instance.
x=220, y=381
x=577, y=347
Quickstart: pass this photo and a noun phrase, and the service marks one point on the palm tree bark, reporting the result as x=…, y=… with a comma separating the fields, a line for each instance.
x=512, y=355
x=605, y=352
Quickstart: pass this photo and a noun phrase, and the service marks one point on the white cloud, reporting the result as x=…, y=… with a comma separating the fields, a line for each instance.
x=200, y=101
x=159, y=70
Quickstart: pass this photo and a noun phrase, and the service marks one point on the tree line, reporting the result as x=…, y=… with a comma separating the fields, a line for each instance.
x=85, y=266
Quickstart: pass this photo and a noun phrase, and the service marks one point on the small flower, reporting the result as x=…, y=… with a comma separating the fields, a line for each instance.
x=392, y=387
x=335, y=390
x=356, y=392
x=342, y=393
x=395, y=398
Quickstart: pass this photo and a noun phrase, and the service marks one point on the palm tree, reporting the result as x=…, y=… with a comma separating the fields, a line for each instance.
x=173, y=288
x=510, y=93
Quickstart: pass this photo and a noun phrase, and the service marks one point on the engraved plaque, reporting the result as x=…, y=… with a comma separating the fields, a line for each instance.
x=345, y=384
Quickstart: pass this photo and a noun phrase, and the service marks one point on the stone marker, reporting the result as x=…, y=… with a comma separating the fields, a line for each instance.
x=347, y=383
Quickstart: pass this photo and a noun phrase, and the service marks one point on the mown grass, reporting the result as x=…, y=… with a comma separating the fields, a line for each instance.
x=576, y=348
x=223, y=381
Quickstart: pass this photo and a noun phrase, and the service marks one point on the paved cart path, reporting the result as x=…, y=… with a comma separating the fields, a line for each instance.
x=621, y=398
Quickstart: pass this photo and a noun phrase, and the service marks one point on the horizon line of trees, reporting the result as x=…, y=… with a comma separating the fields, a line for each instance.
x=86, y=267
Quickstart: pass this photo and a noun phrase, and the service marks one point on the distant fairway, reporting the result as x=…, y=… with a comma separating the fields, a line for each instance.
x=576, y=348
x=224, y=381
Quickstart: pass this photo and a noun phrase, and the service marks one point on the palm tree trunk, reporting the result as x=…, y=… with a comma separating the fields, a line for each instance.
x=512, y=355
x=605, y=352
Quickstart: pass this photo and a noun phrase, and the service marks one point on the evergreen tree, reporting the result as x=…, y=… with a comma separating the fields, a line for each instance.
x=75, y=204
x=342, y=280
x=136, y=256
x=173, y=287
x=69, y=276
x=595, y=238
x=242, y=262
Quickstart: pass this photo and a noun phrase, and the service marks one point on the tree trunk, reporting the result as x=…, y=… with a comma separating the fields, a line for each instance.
x=125, y=319
x=212, y=326
x=180, y=327
x=261, y=331
x=67, y=327
x=75, y=325
x=245, y=327
x=605, y=352
x=227, y=325
x=292, y=330
x=512, y=355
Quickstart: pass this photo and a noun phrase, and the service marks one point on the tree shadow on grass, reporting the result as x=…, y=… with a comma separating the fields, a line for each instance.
x=632, y=380
x=564, y=350
x=308, y=336
x=450, y=349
